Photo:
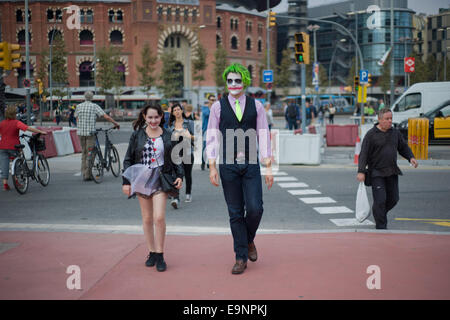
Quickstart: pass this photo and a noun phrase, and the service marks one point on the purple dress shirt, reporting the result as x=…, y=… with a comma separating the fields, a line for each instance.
x=213, y=132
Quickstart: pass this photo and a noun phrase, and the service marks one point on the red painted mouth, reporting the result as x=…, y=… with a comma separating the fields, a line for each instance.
x=235, y=88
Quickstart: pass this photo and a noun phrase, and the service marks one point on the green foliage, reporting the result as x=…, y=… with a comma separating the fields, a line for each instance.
x=199, y=64
x=107, y=75
x=146, y=78
x=59, y=69
x=220, y=64
x=283, y=72
x=171, y=84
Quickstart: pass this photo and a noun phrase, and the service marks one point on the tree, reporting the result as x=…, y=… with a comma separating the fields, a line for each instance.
x=171, y=83
x=108, y=76
x=198, y=67
x=385, y=77
x=59, y=69
x=421, y=72
x=283, y=72
x=220, y=64
x=146, y=78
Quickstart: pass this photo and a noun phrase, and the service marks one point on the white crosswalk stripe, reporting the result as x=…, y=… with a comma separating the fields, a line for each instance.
x=332, y=210
x=303, y=192
x=293, y=185
x=317, y=200
x=351, y=222
x=285, y=179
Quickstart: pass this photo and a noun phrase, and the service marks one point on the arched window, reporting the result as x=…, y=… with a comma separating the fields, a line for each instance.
x=259, y=46
x=194, y=15
x=21, y=37
x=19, y=15
x=120, y=68
x=86, y=74
x=86, y=38
x=160, y=13
x=111, y=15
x=119, y=16
x=169, y=14
x=50, y=15
x=89, y=16
x=53, y=34
x=219, y=22
x=234, y=43
x=58, y=15
x=218, y=41
x=248, y=43
x=177, y=14
x=186, y=15
x=250, y=70
x=116, y=37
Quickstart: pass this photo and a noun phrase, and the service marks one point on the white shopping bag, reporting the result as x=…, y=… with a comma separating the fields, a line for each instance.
x=362, y=209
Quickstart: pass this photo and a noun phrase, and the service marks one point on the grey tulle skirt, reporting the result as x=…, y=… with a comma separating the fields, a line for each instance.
x=144, y=181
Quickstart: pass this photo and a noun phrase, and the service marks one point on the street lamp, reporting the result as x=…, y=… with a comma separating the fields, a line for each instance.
x=332, y=60
x=404, y=40
x=314, y=28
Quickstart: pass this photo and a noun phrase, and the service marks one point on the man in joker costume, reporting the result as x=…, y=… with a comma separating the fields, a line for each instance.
x=237, y=127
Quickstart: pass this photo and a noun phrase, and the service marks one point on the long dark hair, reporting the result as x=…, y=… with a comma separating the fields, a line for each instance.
x=140, y=121
x=172, y=117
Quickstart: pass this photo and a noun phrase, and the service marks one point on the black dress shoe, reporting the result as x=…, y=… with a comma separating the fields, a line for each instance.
x=151, y=259
x=160, y=263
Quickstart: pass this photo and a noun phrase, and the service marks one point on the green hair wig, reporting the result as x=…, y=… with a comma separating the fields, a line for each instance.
x=238, y=68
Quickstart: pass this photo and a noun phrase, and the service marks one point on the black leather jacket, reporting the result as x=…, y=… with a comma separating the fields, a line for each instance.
x=136, y=146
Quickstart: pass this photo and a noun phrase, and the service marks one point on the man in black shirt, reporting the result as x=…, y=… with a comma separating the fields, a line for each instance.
x=379, y=152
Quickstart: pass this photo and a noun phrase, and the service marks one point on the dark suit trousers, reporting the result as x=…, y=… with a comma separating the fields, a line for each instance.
x=385, y=197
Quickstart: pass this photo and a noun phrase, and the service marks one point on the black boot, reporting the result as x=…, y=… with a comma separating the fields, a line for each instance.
x=151, y=259
x=160, y=263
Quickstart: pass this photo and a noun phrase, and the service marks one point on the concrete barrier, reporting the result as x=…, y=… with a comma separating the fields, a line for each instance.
x=341, y=135
x=298, y=149
x=63, y=142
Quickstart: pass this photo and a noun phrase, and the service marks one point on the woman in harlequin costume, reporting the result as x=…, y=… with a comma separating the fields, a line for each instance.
x=149, y=151
x=239, y=166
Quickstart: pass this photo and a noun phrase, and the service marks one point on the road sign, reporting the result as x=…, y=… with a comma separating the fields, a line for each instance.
x=410, y=64
x=315, y=74
x=267, y=76
x=363, y=76
x=26, y=83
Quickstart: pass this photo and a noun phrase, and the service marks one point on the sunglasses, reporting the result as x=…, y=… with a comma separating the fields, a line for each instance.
x=237, y=81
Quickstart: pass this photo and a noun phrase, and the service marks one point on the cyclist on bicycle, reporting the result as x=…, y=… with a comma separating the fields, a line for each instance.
x=86, y=114
x=9, y=137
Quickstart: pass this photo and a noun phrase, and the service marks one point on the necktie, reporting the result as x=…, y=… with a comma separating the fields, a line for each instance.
x=238, y=110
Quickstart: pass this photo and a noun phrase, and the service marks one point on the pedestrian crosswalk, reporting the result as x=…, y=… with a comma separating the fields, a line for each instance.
x=327, y=204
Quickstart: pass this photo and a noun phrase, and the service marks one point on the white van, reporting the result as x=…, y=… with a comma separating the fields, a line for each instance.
x=418, y=99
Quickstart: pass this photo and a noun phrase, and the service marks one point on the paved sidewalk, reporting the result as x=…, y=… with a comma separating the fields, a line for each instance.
x=34, y=265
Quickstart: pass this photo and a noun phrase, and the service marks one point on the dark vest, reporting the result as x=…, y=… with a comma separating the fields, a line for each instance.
x=245, y=141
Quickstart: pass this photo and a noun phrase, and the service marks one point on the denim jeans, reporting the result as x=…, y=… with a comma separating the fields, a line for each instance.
x=242, y=188
x=4, y=162
x=385, y=197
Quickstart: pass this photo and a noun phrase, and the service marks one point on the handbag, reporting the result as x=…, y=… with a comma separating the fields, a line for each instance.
x=362, y=208
x=167, y=181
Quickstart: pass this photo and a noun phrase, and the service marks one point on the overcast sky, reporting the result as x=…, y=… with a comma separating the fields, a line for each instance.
x=425, y=6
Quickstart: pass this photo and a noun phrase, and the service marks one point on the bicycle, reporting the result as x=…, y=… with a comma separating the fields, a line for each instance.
x=98, y=163
x=40, y=171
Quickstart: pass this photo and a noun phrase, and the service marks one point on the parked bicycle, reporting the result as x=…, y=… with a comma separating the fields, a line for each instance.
x=107, y=160
x=39, y=171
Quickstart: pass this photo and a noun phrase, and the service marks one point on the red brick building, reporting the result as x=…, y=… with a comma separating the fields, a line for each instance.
x=129, y=24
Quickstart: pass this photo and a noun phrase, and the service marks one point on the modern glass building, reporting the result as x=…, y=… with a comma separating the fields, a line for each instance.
x=369, y=21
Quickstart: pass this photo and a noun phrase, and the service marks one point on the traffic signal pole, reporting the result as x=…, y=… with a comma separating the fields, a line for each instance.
x=303, y=118
x=27, y=62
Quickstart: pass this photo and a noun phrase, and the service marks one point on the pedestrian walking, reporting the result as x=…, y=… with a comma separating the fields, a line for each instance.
x=148, y=156
x=9, y=137
x=310, y=114
x=377, y=165
x=57, y=115
x=239, y=115
x=72, y=119
x=332, y=112
x=293, y=115
x=205, y=117
x=189, y=113
x=86, y=114
x=182, y=131
x=269, y=115
x=321, y=115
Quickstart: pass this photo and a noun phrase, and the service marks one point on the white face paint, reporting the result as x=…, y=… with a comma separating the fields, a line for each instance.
x=234, y=84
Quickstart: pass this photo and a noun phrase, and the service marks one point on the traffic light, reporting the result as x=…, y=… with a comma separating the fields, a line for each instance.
x=369, y=80
x=8, y=56
x=40, y=86
x=356, y=83
x=14, y=55
x=5, y=59
x=272, y=19
x=301, y=48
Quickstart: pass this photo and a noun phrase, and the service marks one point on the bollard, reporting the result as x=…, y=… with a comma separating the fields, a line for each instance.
x=418, y=135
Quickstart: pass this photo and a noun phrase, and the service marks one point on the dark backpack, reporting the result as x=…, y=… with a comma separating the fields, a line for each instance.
x=291, y=111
